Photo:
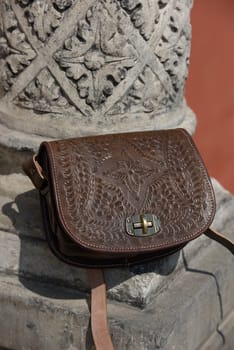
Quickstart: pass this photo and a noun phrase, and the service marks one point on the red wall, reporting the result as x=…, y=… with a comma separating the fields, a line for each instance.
x=210, y=86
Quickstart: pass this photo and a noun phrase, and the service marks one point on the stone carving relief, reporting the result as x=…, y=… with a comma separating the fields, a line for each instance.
x=119, y=56
x=44, y=95
x=144, y=14
x=146, y=95
x=98, y=55
x=173, y=49
x=44, y=16
x=15, y=52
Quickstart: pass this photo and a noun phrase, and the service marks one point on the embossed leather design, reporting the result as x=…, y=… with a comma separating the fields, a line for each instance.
x=97, y=182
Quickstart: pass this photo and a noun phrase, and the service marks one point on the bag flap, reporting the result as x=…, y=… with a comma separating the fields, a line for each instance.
x=131, y=192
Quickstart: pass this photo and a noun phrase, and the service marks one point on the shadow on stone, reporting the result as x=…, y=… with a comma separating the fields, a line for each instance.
x=203, y=272
x=11, y=160
x=38, y=269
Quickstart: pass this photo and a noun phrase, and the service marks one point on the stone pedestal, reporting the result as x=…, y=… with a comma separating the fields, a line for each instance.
x=78, y=67
x=181, y=302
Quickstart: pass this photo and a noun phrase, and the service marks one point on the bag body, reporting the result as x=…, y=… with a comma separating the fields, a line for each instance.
x=120, y=199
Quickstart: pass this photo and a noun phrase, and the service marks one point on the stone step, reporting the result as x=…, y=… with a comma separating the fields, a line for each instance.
x=31, y=258
x=191, y=290
x=36, y=315
x=223, y=337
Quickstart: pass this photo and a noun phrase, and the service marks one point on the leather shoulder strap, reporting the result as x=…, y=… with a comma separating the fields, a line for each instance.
x=218, y=237
x=32, y=168
x=99, y=323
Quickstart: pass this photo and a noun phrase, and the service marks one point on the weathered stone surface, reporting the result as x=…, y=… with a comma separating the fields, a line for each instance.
x=224, y=219
x=92, y=67
x=223, y=338
x=32, y=321
x=36, y=315
x=181, y=117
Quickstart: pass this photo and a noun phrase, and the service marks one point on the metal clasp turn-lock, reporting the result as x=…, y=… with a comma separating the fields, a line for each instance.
x=142, y=225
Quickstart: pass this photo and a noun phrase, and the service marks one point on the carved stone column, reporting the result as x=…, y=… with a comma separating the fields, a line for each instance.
x=78, y=67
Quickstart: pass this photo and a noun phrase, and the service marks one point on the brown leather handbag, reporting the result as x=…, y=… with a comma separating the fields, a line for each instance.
x=116, y=200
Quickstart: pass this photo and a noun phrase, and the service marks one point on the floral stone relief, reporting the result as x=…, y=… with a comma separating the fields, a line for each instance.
x=144, y=14
x=15, y=51
x=44, y=16
x=147, y=93
x=98, y=55
x=117, y=57
x=43, y=95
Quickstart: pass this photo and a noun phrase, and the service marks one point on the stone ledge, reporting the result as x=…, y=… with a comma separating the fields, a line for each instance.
x=223, y=337
x=28, y=135
x=31, y=321
x=56, y=317
x=17, y=145
x=197, y=282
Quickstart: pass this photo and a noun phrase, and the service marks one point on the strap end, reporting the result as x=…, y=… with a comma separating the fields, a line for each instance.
x=34, y=171
x=218, y=237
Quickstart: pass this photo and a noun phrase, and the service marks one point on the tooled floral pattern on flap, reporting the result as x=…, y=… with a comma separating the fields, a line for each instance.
x=103, y=180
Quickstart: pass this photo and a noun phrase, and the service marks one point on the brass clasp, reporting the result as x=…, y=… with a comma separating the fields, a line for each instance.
x=142, y=225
